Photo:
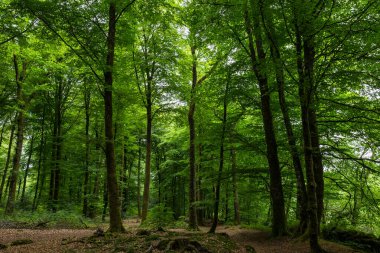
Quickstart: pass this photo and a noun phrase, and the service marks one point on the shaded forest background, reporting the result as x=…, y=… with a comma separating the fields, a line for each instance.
x=260, y=112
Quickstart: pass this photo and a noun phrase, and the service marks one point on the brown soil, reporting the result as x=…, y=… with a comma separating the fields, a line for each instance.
x=44, y=241
x=55, y=240
x=263, y=243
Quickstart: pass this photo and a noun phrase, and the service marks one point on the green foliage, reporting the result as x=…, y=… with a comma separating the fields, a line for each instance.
x=159, y=217
x=60, y=219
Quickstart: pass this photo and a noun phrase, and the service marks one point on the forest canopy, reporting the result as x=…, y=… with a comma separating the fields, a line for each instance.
x=257, y=112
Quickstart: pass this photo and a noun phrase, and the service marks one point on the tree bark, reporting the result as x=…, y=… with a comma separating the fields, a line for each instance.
x=257, y=64
x=221, y=159
x=3, y=179
x=27, y=169
x=19, y=136
x=139, y=181
x=192, y=179
x=2, y=131
x=235, y=187
x=86, y=190
x=113, y=192
x=40, y=150
x=306, y=72
x=280, y=79
x=148, y=152
x=56, y=148
x=317, y=163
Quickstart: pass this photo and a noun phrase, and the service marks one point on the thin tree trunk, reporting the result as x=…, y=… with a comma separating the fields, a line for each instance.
x=27, y=169
x=145, y=204
x=201, y=208
x=40, y=150
x=19, y=137
x=105, y=200
x=139, y=181
x=113, y=192
x=94, y=199
x=276, y=192
x=2, y=131
x=56, y=149
x=192, y=180
x=226, y=201
x=221, y=159
x=235, y=187
x=317, y=163
x=3, y=179
x=126, y=193
x=86, y=190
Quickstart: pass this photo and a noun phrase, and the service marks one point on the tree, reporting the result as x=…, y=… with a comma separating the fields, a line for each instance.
x=254, y=33
x=20, y=76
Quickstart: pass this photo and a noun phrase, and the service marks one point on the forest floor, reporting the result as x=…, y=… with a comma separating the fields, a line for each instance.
x=138, y=240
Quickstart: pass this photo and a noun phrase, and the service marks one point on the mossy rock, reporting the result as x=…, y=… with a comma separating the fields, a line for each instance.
x=21, y=242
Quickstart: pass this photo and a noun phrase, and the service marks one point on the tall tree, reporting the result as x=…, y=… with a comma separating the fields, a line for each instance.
x=20, y=76
x=113, y=192
x=5, y=171
x=258, y=62
x=221, y=155
x=278, y=63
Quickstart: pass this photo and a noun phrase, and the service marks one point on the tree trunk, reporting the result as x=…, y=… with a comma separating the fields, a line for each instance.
x=27, y=169
x=86, y=190
x=192, y=180
x=56, y=148
x=2, y=131
x=113, y=193
x=317, y=163
x=276, y=192
x=306, y=100
x=221, y=160
x=201, y=208
x=139, y=181
x=40, y=150
x=3, y=179
x=235, y=187
x=279, y=69
x=19, y=137
x=148, y=148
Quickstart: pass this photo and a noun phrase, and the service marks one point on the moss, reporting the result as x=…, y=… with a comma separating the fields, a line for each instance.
x=21, y=242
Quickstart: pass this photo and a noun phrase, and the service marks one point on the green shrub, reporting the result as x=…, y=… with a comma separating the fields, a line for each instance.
x=159, y=217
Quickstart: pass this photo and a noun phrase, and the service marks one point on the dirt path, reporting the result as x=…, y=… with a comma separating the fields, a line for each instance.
x=263, y=243
x=53, y=240
x=46, y=240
